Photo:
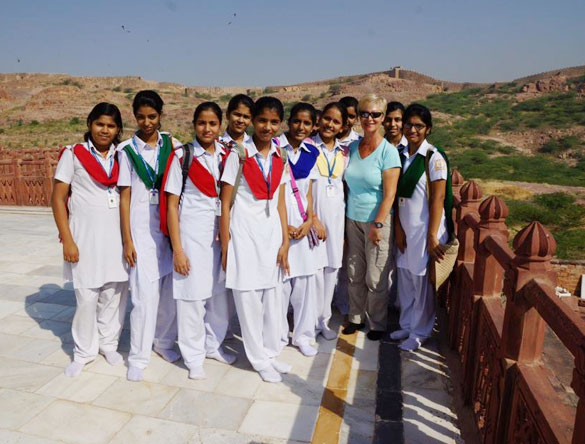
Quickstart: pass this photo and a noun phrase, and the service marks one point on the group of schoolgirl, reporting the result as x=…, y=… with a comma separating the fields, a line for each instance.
x=185, y=227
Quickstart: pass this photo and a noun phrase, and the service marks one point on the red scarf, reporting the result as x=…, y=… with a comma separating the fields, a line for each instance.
x=93, y=167
x=202, y=178
x=253, y=174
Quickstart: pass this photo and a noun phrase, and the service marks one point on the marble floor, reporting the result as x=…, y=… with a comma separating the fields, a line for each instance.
x=39, y=405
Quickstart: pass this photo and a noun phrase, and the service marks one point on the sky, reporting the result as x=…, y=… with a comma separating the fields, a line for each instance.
x=282, y=42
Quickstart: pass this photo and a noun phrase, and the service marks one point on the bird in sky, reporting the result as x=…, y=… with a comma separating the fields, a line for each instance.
x=124, y=29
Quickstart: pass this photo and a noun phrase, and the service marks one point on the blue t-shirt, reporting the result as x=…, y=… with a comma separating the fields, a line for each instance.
x=364, y=179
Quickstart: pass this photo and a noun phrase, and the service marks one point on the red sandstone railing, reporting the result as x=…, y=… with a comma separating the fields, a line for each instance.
x=26, y=176
x=499, y=301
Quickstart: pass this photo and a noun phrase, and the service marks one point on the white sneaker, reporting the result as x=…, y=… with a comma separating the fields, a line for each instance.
x=270, y=375
x=281, y=367
x=399, y=335
x=411, y=344
x=222, y=356
x=307, y=350
x=197, y=373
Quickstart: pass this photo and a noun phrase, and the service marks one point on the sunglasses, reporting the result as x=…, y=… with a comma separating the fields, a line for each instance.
x=417, y=126
x=373, y=114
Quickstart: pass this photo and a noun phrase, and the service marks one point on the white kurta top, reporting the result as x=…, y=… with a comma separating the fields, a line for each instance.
x=255, y=236
x=350, y=138
x=199, y=228
x=302, y=260
x=226, y=138
x=153, y=251
x=414, y=214
x=94, y=225
x=330, y=210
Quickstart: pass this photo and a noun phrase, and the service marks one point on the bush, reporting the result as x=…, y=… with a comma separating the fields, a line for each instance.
x=75, y=121
x=269, y=90
x=34, y=122
x=117, y=89
x=128, y=90
x=570, y=243
x=306, y=98
x=225, y=97
x=334, y=89
x=204, y=96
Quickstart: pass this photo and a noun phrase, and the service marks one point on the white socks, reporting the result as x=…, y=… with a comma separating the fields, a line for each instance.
x=281, y=367
x=328, y=334
x=74, y=369
x=134, y=374
x=113, y=357
x=167, y=354
x=307, y=350
x=270, y=375
x=411, y=344
x=222, y=356
x=399, y=335
x=197, y=373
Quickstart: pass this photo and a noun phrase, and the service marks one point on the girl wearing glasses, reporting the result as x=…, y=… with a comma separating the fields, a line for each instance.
x=420, y=227
x=371, y=177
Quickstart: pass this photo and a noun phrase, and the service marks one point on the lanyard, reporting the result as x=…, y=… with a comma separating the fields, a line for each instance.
x=108, y=172
x=330, y=168
x=267, y=178
x=146, y=166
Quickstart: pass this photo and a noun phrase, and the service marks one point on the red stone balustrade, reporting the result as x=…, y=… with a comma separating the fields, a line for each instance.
x=26, y=176
x=499, y=301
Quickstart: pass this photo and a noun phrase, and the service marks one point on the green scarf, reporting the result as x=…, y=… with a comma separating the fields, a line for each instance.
x=143, y=168
x=409, y=179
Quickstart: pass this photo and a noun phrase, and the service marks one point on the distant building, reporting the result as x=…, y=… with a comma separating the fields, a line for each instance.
x=395, y=72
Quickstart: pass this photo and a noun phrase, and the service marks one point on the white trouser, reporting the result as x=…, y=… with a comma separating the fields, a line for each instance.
x=259, y=312
x=326, y=280
x=202, y=326
x=301, y=292
x=98, y=320
x=153, y=319
x=417, y=304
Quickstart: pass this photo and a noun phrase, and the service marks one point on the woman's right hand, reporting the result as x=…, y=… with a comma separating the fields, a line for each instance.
x=400, y=238
x=70, y=252
x=181, y=263
x=130, y=253
x=223, y=258
x=321, y=230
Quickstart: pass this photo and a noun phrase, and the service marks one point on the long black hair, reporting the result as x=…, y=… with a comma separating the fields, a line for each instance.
x=105, y=109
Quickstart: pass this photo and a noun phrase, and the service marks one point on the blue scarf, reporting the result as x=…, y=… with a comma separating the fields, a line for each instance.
x=305, y=163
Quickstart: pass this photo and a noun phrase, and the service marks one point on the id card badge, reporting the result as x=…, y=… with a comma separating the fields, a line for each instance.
x=401, y=202
x=331, y=191
x=217, y=207
x=112, y=199
x=153, y=197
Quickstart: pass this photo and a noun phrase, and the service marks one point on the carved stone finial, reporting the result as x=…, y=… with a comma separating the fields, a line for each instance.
x=493, y=208
x=535, y=241
x=456, y=178
x=470, y=192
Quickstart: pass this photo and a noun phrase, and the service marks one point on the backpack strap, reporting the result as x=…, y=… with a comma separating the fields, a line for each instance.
x=241, y=151
x=187, y=160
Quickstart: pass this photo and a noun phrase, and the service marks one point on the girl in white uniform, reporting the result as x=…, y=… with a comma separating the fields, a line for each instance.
x=300, y=286
x=420, y=228
x=198, y=280
x=254, y=239
x=89, y=227
x=143, y=160
x=329, y=216
x=239, y=116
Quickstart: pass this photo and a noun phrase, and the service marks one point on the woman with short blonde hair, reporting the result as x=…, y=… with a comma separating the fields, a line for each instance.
x=371, y=177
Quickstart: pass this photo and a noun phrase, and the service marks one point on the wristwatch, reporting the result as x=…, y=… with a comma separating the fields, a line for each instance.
x=378, y=224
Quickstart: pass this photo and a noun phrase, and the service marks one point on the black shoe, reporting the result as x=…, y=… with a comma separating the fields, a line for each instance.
x=375, y=335
x=351, y=328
